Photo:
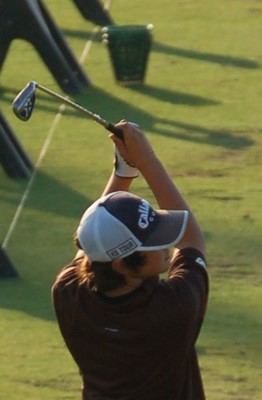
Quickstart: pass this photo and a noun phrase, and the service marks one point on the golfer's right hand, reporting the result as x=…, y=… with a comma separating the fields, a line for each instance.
x=135, y=148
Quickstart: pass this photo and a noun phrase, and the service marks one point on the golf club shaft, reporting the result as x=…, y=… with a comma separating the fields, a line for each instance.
x=108, y=125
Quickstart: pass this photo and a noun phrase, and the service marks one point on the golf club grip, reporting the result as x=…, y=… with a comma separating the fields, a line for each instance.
x=116, y=131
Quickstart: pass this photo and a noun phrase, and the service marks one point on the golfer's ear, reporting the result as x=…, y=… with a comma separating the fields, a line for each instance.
x=118, y=265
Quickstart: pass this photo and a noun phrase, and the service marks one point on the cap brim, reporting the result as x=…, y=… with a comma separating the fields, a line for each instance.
x=169, y=231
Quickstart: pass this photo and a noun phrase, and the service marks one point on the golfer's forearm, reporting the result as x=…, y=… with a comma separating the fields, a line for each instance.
x=169, y=197
x=116, y=183
x=162, y=186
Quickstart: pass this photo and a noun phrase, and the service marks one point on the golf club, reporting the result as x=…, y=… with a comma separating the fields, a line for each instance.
x=23, y=106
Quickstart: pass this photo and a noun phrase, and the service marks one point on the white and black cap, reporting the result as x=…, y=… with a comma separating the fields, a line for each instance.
x=121, y=223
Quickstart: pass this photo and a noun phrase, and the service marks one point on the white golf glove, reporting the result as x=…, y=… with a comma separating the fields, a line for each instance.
x=122, y=168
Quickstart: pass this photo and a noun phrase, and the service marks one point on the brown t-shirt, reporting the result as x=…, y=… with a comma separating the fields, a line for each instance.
x=140, y=346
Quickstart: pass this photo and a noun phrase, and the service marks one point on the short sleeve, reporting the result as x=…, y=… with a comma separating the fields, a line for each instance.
x=188, y=275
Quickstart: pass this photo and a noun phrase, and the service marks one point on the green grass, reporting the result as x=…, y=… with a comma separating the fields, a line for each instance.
x=201, y=107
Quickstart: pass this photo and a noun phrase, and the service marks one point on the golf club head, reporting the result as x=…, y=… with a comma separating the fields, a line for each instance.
x=23, y=104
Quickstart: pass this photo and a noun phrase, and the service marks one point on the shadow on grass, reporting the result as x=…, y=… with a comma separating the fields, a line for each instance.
x=114, y=110
x=30, y=291
x=225, y=60
x=174, y=97
x=221, y=59
x=29, y=298
x=51, y=196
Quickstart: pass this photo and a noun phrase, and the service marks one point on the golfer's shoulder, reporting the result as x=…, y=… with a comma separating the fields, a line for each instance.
x=188, y=264
x=189, y=280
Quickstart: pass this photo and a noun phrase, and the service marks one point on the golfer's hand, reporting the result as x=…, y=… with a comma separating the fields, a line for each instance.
x=135, y=148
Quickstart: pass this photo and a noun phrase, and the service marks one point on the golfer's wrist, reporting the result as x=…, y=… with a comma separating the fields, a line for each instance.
x=147, y=160
x=122, y=169
x=125, y=176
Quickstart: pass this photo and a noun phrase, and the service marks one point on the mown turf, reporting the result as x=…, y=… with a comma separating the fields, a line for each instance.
x=201, y=107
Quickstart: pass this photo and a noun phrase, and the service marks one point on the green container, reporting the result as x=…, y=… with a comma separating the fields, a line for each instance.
x=129, y=48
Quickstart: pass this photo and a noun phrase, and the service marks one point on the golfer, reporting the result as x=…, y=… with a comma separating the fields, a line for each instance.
x=132, y=334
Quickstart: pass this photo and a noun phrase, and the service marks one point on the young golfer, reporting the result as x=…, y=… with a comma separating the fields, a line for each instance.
x=131, y=333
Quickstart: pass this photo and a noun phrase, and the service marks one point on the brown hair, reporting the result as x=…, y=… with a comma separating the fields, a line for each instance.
x=101, y=276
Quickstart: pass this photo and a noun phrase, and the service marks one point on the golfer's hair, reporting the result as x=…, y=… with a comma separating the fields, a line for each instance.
x=101, y=276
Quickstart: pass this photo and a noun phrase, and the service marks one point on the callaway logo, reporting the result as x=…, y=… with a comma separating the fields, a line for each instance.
x=143, y=211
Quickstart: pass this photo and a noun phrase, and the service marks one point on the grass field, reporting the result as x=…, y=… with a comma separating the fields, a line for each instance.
x=201, y=107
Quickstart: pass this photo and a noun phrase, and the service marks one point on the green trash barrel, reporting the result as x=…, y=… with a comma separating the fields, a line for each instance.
x=129, y=48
